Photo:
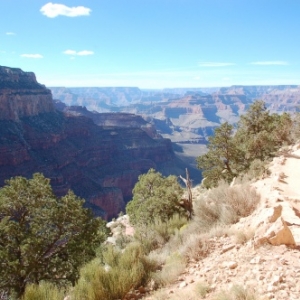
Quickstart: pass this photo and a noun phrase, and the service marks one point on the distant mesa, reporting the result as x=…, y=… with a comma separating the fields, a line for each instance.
x=186, y=114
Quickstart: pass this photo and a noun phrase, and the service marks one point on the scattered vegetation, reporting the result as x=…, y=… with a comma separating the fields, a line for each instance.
x=52, y=247
x=158, y=233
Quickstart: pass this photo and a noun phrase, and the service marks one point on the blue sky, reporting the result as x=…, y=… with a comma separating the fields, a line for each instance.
x=153, y=43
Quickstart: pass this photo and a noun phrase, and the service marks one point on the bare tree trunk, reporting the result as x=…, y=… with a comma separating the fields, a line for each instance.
x=187, y=204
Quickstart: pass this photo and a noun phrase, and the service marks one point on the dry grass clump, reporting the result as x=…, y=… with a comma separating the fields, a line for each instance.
x=237, y=292
x=122, y=240
x=225, y=205
x=258, y=169
x=174, y=266
x=156, y=234
x=44, y=290
x=242, y=237
x=202, y=289
x=195, y=247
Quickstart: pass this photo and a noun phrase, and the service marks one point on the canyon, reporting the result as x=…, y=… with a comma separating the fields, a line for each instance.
x=186, y=116
x=97, y=141
x=99, y=162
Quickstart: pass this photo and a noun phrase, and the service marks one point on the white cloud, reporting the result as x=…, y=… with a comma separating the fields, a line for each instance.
x=85, y=52
x=70, y=52
x=10, y=33
x=270, y=63
x=32, y=55
x=79, y=53
x=52, y=10
x=215, y=64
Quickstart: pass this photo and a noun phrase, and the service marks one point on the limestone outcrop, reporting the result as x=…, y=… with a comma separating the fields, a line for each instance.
x=277, y=220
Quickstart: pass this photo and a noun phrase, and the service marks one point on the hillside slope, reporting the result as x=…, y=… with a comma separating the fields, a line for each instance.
x=259, y=255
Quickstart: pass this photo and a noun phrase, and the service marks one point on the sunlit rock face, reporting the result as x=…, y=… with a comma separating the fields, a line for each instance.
x=21, y=95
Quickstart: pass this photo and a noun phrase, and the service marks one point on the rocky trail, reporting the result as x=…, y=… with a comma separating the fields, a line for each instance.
x=269, y=263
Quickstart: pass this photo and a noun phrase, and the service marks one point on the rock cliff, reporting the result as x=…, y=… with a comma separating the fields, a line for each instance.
x=99, y=163
x=124, y=120
x=21, y=95
x=194, y=112
x=186, y=116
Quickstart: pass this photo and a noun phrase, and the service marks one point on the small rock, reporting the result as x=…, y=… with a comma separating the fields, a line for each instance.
x=227, y=248
x=260, y=277
x=256, y=260
x=232, y=265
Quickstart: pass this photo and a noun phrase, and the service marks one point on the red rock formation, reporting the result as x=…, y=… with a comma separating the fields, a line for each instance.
x=99, y=163
x=21, y=95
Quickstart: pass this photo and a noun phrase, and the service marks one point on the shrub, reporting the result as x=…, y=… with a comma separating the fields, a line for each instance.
x=242, y=237
x=195, y=247
x=202, y=289
x=237, y=292
x=122, y=240
x=257, y=169
x=158, y=233
x=173, y=267
x=44, y=290
x=155, y=195
x=113, y=276
x=225, y=205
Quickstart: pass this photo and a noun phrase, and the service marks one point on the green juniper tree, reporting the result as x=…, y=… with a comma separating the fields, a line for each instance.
x=155, y=196
x=258, y=136
x=223, y=159
x=43, y=237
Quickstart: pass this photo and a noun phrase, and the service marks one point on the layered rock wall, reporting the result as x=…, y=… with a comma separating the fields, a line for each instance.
x=21, y=95
x=99, y=163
